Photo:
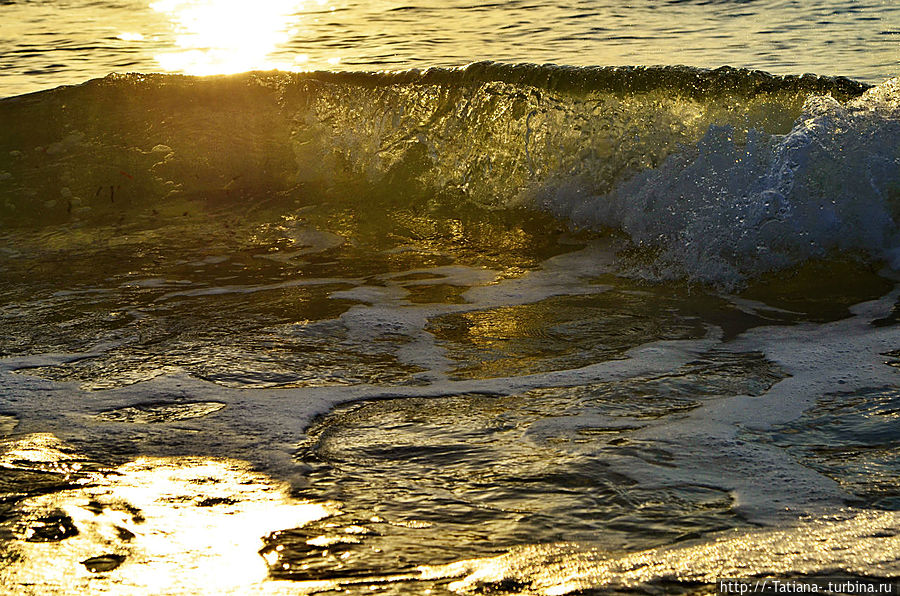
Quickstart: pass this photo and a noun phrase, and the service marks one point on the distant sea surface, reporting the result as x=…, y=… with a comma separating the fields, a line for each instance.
x=45, y=43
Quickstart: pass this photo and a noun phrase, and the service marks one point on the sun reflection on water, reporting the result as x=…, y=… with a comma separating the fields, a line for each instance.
x=228, y=36
x=152, y=526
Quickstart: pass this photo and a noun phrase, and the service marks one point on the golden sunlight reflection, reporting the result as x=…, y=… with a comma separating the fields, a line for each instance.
x=42, y=450
x=857, y=543
x=152, y=526
x=228, y=36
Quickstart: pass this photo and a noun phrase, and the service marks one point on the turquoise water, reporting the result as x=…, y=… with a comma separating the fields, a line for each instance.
x=490, y=329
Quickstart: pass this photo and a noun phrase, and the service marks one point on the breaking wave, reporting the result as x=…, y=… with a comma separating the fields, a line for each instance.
x=715, y=176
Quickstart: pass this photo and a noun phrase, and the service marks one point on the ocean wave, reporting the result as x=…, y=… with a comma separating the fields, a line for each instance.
x=717, y=175
x=742, y=202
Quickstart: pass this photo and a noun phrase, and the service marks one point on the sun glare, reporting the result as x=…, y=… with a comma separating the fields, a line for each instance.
x=227, y=36
x=188, y=525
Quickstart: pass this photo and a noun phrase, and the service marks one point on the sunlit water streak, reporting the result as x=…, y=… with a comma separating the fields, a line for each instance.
x=151, y=526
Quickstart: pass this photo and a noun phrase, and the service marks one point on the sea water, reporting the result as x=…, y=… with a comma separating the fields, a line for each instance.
x=603, y=325
x=52, y=42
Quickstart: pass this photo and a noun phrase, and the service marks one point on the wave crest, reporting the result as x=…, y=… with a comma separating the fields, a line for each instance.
x=723, y=174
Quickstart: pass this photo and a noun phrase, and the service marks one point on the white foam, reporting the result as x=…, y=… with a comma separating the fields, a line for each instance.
x=12, y=363
x=388, y=315
x=711, y=446
x=252, y=289
x=282, y=415
x=740, y=204
x=451, y=275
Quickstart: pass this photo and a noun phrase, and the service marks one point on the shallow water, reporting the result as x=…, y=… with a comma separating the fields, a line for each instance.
x=598, y=418
x=490, y=330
